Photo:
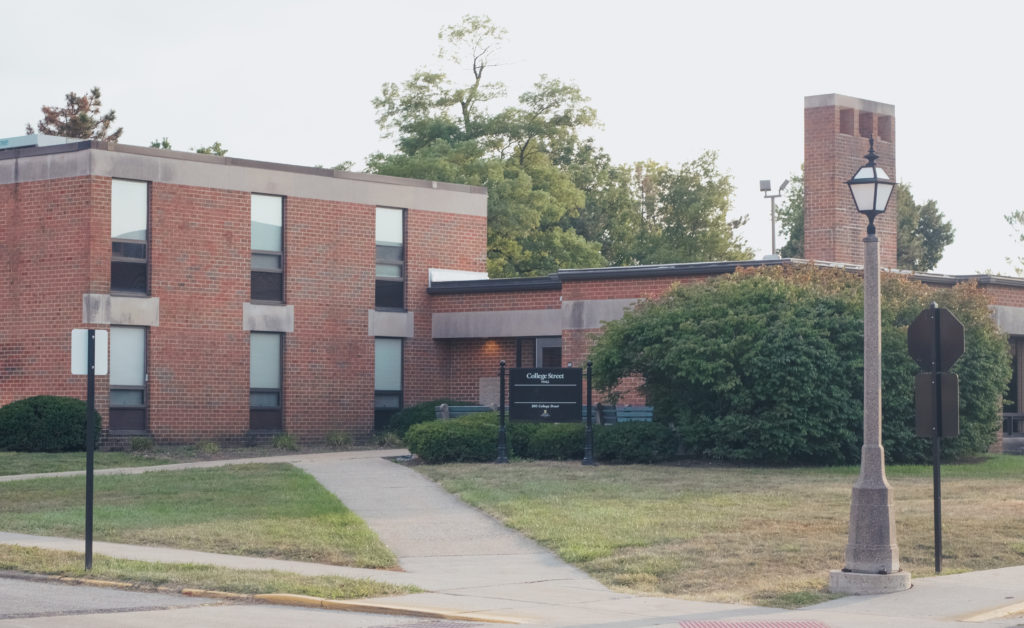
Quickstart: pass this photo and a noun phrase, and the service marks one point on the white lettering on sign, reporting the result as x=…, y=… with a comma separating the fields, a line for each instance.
x=545, y=377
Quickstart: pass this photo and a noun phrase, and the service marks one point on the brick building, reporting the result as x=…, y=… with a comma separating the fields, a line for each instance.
x=247, y=298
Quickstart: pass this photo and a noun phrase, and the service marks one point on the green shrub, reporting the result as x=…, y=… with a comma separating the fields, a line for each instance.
x=207, y=447
x=284, y=441
x=635, y=442
x=766, y=365
x=141, y=443
x=43, y=423
x=519, y=436
x=557, y=441
x=473, y=438
x=405, y=418
x=338, y=439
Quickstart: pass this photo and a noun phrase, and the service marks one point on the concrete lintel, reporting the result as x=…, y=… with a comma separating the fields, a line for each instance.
x=592, y=314
x=502, y=324
x=104, y=309
x=1010, y=320
x=839, y=100
x=390, y=324
x=95, y=309
x=259, y=317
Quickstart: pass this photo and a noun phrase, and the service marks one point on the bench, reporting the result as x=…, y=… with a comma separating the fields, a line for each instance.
x=610, y=415
x=445, y=411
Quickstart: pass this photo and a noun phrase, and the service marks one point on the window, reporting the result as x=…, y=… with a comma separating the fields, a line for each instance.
x=266, y=242
x=128, y=378
x=387, y=380
x=129, y=231
x=549, y=353
x=390, y=288
x=265, y=381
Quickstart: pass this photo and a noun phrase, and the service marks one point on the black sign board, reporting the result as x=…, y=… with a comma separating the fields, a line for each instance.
x=941, y=387
x=935, y=339
x=546, y=394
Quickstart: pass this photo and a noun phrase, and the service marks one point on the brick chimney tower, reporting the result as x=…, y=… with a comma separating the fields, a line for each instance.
x=836, y=132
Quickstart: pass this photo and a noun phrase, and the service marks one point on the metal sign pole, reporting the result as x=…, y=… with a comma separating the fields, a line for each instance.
x=937, y=442
x=90, y=445
x=502, y=437
x=588, y=441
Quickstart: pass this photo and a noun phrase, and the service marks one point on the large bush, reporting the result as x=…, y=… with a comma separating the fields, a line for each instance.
x=474, y=438
x=635, y=442
x=43, y=423
x=766, y=365
x=405, y=418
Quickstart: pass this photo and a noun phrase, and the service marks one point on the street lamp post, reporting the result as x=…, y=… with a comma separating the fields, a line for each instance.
x=766, y=187
x=872, y=556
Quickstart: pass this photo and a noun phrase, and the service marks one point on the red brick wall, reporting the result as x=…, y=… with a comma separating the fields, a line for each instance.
x=1003, y=295
x=833, y=230
x=51, y=246
x=490, y=301
x=435, y=240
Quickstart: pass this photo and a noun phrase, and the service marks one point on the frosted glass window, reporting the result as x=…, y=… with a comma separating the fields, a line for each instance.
x=264, y=360
x=129, y=202
x=127, y=356
x=389, y=226
x=387, y=364
x=267, y=220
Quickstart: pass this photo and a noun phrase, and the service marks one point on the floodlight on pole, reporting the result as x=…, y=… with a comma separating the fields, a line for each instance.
x=766, y=187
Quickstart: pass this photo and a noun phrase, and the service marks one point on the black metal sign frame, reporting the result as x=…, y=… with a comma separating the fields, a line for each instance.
x=548, y=395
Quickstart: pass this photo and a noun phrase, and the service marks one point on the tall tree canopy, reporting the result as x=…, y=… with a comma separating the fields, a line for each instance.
x=1016, y=221
x=555, y=200
x=79, y=118
x=922, y=234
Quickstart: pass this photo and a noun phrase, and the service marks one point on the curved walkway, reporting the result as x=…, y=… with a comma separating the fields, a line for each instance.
x=472, y=564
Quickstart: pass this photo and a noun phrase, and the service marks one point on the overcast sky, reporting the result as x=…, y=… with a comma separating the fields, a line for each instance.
x=292, y=82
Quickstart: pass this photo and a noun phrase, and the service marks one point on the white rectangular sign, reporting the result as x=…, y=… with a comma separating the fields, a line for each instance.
x=80, y=351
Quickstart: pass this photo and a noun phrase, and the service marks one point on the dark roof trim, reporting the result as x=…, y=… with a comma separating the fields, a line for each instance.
x=36, y=151
x=476, y=286
x=666, y=270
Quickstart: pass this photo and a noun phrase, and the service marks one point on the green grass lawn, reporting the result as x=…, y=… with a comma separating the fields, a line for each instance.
x=18, y=463
x=751, y=535
x=190, y=576
x=272, y=510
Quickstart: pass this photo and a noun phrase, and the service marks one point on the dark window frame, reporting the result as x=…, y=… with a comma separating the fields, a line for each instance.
x=277, y=273
x=128, y=259
x=131, y=417
x=383, y=413
x=383, y=297
x=268, y=418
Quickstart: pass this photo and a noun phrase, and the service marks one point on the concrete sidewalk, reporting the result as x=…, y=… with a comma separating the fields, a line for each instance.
x=473, y=566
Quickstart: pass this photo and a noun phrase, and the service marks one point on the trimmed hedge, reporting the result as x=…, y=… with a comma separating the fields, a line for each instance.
x=474, y=438
x=43, y=423
x=405, y=418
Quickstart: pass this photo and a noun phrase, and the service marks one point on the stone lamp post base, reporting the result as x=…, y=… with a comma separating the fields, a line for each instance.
x=852, y=583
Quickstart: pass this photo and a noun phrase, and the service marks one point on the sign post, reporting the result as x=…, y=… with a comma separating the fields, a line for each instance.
x=86, y=360
x=546, y=394
x=936, y=340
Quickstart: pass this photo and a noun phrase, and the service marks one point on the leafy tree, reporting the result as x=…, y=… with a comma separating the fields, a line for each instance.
x=790, y=217
x=161, y=143
x=1016, y=221
x=78, y=118
x=212, y=149
x=766, y=365
x=443, y=133
x=922, y=233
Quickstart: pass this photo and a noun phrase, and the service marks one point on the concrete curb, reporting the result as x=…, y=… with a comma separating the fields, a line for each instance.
x=280, y=599
x=387, y=609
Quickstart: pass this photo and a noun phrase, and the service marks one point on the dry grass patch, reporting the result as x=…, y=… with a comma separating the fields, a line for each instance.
x=750, y=535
